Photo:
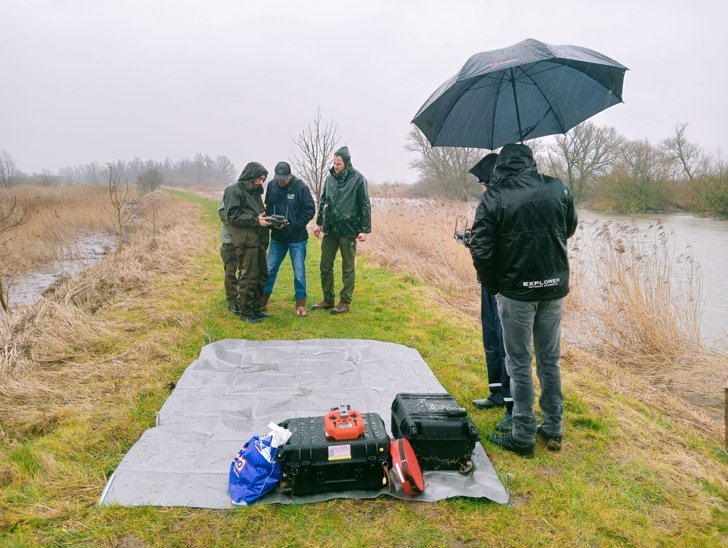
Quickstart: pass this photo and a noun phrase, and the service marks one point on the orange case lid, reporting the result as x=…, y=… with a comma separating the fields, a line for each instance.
x=406, y=467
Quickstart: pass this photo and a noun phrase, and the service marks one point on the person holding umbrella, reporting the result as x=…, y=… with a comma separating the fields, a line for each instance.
x=499, y=382
x=528, y=90
x=519, y=250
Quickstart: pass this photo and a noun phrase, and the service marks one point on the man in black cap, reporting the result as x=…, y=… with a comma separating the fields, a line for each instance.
x=289, y=197
x=344, y=217
x=499, y=383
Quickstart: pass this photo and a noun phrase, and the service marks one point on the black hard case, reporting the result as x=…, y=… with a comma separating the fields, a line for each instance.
x=440, y=431
x=313, y=463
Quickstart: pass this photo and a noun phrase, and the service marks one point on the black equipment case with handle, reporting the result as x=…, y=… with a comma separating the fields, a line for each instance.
x=313, y=463
x=441, y=433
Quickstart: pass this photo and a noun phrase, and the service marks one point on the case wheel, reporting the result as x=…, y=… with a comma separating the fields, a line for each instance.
x=466, y=467
x=284, y=487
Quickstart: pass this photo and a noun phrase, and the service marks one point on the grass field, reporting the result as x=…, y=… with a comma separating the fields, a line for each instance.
x=629, y=473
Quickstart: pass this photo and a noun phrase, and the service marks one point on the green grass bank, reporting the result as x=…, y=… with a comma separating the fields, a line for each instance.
x=627, y=475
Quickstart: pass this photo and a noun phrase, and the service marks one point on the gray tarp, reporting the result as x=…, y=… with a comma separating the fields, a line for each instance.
x=236, y=387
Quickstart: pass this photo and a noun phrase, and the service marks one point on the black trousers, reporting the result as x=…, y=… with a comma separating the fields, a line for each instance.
x=495, y=353
x=253, y=274
x=230, y=264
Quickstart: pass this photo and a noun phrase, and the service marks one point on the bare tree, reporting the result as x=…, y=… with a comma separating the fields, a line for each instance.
x=584, y=153
x=644, y=160
x=316, y=145
x=647, y=166
x=8, y=171
x=538, y=148
x=10, y=218
x=715, y=184
x=444, y=168
x=688, y=155
x=122, y=204
x=225, y=169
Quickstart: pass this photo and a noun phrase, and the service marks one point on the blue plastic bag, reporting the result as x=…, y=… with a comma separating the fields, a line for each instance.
x=255, y=471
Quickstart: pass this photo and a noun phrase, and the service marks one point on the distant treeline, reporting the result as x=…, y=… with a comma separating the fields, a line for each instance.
x=201, y=170
x=605, y=171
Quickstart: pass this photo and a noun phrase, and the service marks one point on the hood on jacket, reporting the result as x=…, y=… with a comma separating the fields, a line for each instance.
x=483, y=170
x=252, y=171
x=343, y=153
x=513, y=159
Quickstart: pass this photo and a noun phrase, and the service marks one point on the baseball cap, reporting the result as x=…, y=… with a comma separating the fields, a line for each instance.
x=281, y=171
x=484, y=168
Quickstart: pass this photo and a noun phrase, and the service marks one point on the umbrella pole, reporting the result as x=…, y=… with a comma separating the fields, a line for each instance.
x=515, y=100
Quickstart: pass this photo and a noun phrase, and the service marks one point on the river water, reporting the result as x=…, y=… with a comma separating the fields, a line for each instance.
x=707, y=241
x=27, y=288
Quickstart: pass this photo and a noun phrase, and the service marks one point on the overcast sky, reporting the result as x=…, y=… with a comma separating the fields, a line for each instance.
x=84, y=81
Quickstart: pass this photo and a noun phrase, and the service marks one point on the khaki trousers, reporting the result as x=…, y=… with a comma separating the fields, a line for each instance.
x=329, y=248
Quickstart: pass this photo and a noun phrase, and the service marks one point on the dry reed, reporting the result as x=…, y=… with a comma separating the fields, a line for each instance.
x=641, y=303
x=54, y=216
x=50, y=351
x=416, y=237
x=644, y=299
x=633, y=301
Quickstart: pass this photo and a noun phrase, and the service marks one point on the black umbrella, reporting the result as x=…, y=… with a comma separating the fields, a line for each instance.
x=521, y=92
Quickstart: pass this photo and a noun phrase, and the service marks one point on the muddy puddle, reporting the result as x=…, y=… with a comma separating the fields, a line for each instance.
x=27, y=288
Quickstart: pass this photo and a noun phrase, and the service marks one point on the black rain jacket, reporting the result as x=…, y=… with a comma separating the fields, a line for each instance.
x=243, y=203
x=345, y=210
x=520, y=230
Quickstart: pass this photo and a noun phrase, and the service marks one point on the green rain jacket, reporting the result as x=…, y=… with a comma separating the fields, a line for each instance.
x=243, y=203
x=345, y=210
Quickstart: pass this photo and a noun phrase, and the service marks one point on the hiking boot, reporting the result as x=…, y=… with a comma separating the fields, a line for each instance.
x=506, y=425
x=260, y=314
x=264, y=301
x=235, y=309
x=250, y=318
x=301, y=308
x=341, y=308
x=324, y=305
x=553, y=443
x=507, y=442
x=489, y=403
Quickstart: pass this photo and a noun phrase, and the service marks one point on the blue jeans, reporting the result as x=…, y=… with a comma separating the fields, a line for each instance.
x=495, y=354
x=276, y=253
x=542, y=320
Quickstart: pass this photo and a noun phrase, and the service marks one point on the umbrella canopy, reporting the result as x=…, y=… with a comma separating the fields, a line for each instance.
x=521, y=92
